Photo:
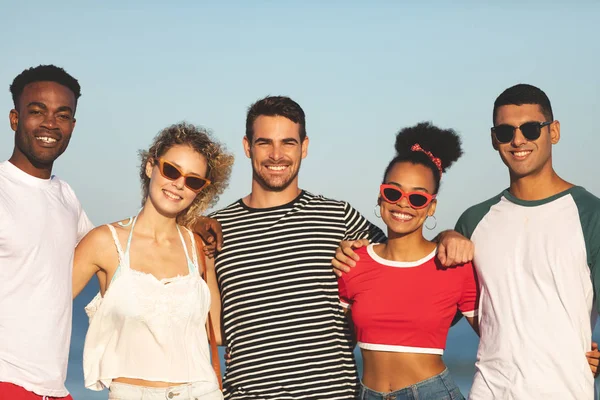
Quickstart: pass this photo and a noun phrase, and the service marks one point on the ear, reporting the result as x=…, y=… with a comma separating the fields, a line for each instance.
x=554, y=132
x=149, y=166
x=13, y=117
x=432, y=207
x=247, y=145
x=304, y=147
x=494, y=141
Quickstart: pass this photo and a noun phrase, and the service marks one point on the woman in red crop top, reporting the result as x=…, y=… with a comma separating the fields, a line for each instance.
x=401, y=300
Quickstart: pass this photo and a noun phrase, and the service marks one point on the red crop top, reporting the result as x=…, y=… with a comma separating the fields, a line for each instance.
x=406, y=306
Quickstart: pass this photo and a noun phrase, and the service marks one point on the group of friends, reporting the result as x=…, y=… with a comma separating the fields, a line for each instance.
x=257, y=277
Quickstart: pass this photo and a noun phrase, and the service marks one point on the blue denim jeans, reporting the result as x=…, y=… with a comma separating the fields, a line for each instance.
x=438, y=387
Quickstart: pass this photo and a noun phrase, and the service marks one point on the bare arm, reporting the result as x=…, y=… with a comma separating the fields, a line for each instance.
x=474, y=322
x=88, y=257
x=215, y=300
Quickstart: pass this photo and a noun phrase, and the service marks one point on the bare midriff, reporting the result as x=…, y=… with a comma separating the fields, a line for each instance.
x=385, y=371
x=141, y=382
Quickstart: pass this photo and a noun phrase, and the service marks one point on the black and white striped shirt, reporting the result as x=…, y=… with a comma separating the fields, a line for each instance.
x=286, y=332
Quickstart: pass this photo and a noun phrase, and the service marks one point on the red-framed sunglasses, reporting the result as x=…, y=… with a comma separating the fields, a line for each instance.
x=172, y=173
x=393, y=194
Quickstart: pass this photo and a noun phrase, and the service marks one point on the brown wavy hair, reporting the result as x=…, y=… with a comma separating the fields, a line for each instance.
x=201, y=140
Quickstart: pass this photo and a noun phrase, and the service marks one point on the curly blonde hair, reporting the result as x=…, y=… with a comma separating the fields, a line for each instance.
x=199, y=139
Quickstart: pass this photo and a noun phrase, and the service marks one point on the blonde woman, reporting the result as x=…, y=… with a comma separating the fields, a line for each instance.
x=147, y=337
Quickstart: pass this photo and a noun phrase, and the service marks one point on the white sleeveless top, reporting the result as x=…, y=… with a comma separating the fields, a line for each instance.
x=145, y=328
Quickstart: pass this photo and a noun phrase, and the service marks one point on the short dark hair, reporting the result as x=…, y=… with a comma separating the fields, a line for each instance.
x=444, y=144
x=42, y=73
x=276, y=106
x=524, y=94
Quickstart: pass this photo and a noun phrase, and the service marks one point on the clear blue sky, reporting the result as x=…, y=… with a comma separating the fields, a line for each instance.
x=360, y=70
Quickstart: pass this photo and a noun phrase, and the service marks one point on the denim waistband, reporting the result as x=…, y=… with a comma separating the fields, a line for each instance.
x=429, y=389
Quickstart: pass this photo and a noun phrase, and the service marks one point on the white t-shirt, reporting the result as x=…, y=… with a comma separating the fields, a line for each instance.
x=539, y=271
x=41, y=222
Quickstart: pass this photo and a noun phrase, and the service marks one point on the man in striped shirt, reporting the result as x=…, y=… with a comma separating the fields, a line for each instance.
x=286, y=333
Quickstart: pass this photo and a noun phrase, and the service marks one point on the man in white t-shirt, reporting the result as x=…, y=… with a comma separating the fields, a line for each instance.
x=41, y=221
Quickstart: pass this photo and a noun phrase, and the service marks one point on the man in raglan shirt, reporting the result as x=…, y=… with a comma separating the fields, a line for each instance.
x=536, y=255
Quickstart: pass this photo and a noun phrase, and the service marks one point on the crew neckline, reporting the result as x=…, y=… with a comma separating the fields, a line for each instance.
x=282, y=206
x=399, y=264
x=534, y=203
x=23, y=177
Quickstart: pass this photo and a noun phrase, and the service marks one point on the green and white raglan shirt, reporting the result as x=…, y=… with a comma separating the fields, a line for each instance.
x=539, y=274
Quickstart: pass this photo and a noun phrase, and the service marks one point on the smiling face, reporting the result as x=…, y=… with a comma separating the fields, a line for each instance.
x=400, y=217
x=276, y=152
x=43, y=122
x=171, y=197
x=526, y=157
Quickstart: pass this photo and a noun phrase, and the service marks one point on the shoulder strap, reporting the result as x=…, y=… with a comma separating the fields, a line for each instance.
x=117, y=244
x=191, y=265
x=214, y=353
x=194, y=251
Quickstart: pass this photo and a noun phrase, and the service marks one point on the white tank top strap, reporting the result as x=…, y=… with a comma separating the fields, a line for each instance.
x=117, y=244
x=123, y=255
x=194, y=251
x=190, y=263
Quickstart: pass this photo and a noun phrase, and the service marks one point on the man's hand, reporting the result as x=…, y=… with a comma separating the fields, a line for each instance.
x=210, y=231
x=227, y=356
x=454, y=249
x=345, y=257
x=593, y=358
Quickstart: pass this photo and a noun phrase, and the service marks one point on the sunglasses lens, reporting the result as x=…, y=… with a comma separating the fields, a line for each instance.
x=392, y=195
x=504, y=133
x=531, y=130
x=170, y=172
x=417, y=200
x=195, y=183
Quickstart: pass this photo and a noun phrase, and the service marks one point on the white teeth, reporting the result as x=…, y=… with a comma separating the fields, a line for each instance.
x=277, y=167
x=521, y=153
x=171, y=195
x=402, y=216
x=46, y=139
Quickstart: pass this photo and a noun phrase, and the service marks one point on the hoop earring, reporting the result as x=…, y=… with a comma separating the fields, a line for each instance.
x=375, y=211
x=434, y=222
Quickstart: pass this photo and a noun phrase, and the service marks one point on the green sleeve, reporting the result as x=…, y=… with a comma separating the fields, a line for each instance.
x=469, y=220
x=588, y=207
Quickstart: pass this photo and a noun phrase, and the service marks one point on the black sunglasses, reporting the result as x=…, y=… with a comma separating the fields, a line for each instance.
x=531, y=130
